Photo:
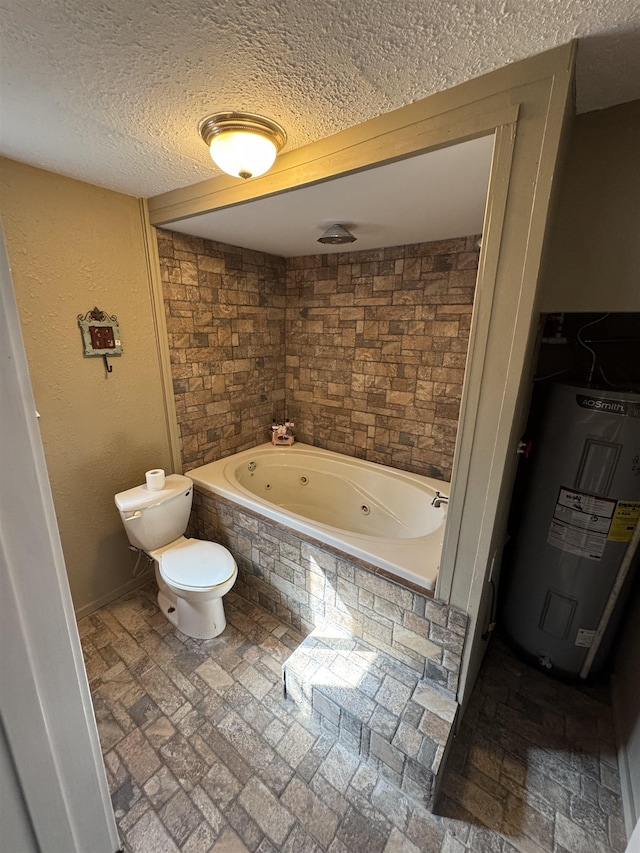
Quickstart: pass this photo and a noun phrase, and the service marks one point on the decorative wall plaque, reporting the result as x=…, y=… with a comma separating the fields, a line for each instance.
x=100, y=334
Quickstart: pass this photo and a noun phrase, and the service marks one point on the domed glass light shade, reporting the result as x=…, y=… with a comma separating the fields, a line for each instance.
x=242, y=144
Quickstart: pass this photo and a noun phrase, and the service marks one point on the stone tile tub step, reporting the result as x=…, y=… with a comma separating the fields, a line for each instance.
x=375, y=705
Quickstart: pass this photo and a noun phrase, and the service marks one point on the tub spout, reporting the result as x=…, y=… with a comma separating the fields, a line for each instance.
x=439, y=499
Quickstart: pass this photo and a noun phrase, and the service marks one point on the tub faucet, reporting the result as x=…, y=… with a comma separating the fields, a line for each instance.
x=439, y=499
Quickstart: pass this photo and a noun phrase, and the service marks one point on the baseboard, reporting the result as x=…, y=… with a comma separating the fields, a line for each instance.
x=628, y=804
x=81, y=612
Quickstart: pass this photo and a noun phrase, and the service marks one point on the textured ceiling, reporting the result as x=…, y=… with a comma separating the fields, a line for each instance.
x=111, y=92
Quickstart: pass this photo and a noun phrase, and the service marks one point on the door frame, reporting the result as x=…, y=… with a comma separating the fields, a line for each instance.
x=46, y=707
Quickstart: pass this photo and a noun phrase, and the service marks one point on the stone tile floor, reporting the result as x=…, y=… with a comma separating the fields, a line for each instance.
x=204, y=755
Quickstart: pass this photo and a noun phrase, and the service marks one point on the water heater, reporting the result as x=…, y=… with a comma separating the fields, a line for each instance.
x=580, y=508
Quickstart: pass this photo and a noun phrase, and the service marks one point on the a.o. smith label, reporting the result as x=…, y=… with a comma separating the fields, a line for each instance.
x=610, y=407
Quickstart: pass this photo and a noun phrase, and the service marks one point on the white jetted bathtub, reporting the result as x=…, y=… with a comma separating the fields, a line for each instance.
x=378, y=514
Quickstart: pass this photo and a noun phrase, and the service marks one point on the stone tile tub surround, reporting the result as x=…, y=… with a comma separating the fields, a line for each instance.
x=375, y=345
x=224, y=310
x=309, y=586
x=376, y=351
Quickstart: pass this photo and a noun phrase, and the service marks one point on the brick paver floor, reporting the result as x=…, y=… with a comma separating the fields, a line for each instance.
x=204, y=755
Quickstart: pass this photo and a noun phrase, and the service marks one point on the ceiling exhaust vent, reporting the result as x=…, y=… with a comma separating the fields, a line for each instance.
x=337, y=235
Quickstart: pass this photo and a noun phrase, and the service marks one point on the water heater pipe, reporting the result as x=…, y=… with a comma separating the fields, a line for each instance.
x=625, y=565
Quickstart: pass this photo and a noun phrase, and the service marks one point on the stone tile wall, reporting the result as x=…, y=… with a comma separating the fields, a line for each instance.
x=376, y=351
x=306, y=585
x=375, y=345
x=225, y=320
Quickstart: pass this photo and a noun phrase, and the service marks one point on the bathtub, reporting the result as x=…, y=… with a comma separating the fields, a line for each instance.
x=377, y=514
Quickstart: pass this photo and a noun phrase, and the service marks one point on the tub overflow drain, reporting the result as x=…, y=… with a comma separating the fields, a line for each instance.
x=304, y=481
x=365, y=509
x=267, y=486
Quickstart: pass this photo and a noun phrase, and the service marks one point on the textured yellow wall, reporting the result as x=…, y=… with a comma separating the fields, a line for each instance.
x=72, y=246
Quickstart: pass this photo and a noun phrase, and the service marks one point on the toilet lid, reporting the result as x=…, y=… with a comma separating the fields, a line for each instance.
x=198, y=564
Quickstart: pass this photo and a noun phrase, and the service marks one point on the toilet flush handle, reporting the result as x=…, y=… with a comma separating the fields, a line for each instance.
x=136, y=514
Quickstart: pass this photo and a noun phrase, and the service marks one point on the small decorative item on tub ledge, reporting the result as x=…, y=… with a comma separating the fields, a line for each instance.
x=282, y=434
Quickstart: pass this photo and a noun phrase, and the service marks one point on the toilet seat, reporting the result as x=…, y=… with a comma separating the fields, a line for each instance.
x=197, y=565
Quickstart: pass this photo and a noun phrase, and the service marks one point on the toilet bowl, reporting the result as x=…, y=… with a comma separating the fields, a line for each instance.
x=192, y=574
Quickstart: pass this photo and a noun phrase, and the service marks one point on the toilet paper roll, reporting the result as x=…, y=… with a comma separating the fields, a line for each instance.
x=155, y=479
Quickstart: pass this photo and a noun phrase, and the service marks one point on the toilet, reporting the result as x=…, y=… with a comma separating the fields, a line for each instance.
x=192, y=574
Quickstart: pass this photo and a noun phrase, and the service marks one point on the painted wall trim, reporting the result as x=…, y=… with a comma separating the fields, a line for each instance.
x=628, y=802
x=46, y=705
x=340, y=154
x=505, y=387
x=162, y=340
x=634, y=842
x=478, y=339
x=15, y=820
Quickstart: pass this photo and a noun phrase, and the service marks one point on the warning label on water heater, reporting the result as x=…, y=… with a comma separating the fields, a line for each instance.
x=584, y=638
x=581, y=523
x=624, y=521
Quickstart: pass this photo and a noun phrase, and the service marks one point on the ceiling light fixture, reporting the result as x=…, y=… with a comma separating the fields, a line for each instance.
x=336, y=235
x=242, y=144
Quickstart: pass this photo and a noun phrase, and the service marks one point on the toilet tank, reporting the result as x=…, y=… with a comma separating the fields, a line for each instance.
x=156, y=518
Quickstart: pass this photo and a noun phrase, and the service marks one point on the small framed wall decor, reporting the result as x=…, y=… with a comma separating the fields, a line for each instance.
x=100, y=334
